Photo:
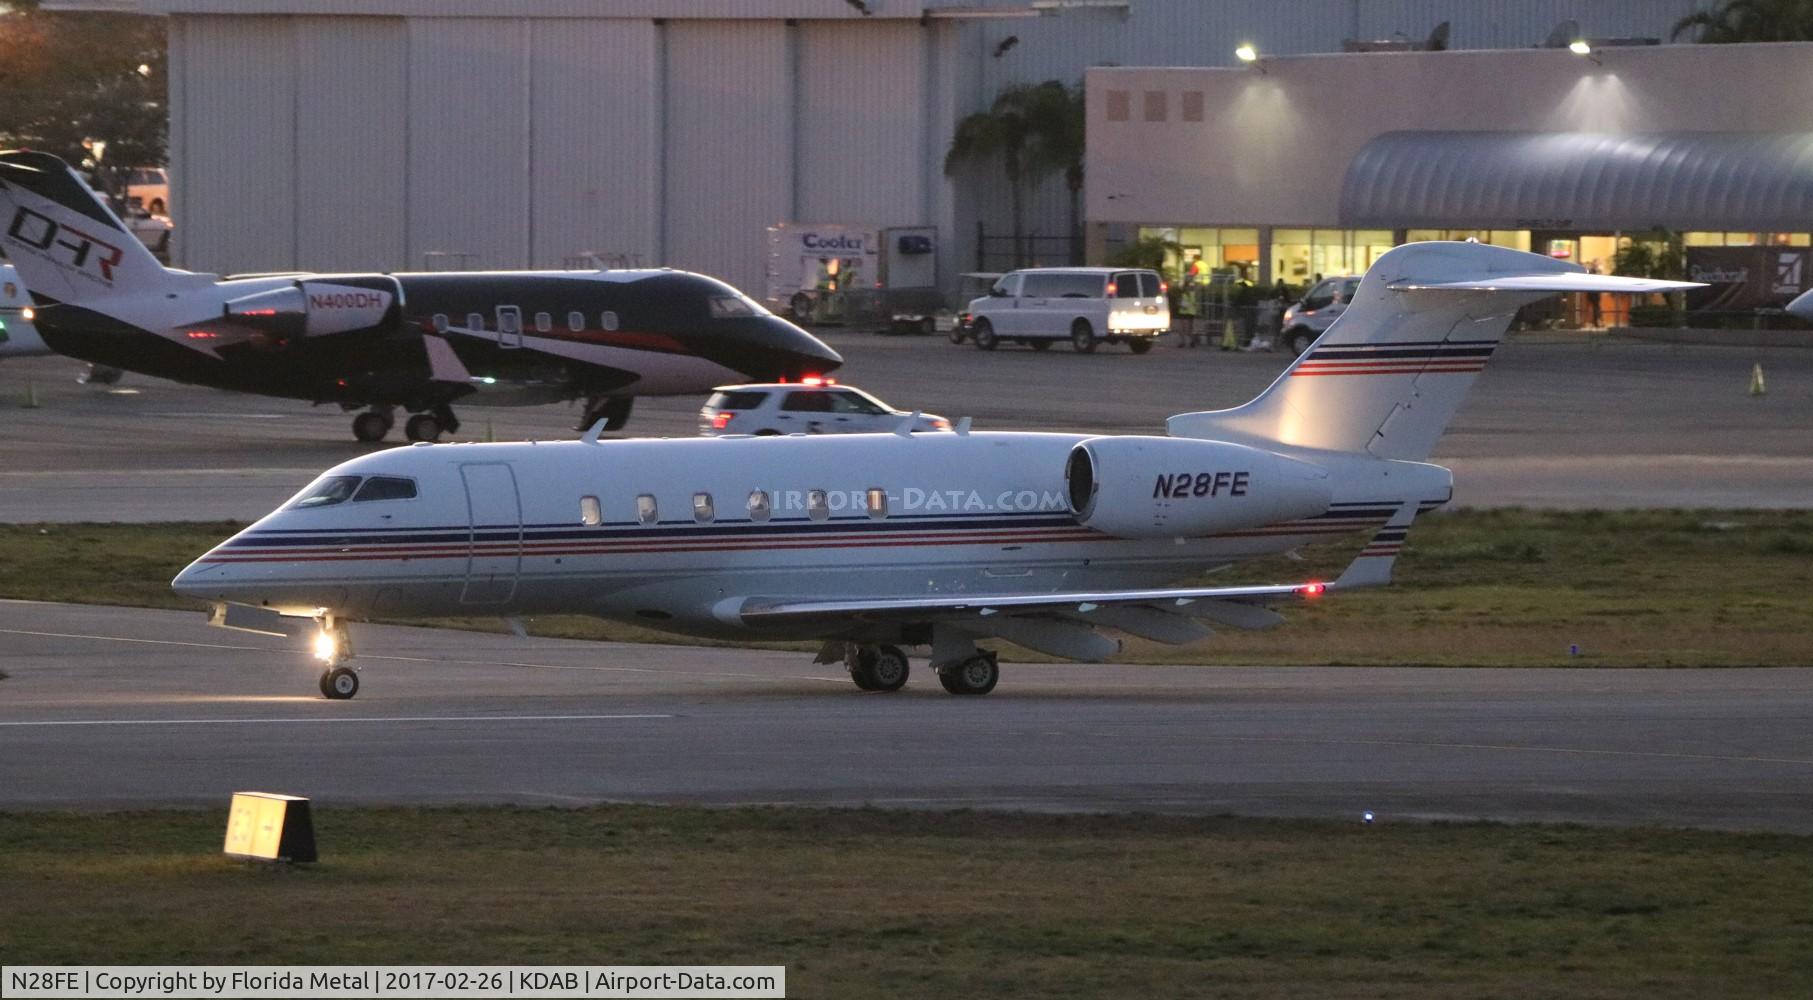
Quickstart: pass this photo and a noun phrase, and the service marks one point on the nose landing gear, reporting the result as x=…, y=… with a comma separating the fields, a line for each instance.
x=613, y=410
x=373, y=424
x=334, y=647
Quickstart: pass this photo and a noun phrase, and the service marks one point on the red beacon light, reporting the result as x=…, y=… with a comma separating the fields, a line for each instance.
x=1312, y=589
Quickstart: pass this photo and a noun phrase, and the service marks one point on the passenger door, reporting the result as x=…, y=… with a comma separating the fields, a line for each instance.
x=509, y=326
x=494, y=523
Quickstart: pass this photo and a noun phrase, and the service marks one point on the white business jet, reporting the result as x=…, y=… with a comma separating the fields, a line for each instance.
x=870, y=542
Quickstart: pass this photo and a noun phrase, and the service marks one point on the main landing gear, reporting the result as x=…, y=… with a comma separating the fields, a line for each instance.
x=613, y=410
x=373, y=424
x=334, y=647
x=877, y=668
x=961, y=667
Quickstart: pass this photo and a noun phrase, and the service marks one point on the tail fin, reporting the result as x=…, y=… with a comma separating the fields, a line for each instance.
x=67, y=245
x=1390, y=373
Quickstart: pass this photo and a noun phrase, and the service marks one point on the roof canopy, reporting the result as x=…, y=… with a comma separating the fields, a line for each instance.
x=1757, y=181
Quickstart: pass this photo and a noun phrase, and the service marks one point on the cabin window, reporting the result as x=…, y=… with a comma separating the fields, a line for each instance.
x=647, y=511
x=608, y=320
x=440, y=323
x=590, y=513
x=701, y=508
x=575, y=321
x=475, y=321
x=818, y=507
x=759, y=507
x=386, y=488
x=878, y=502
x=543, y=323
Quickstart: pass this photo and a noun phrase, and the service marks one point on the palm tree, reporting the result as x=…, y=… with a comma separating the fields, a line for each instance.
x=1037, y=131
x=1751, y=21
x=1055, y=115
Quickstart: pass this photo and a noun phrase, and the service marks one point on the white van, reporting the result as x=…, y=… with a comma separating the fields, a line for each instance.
x=1084, y=305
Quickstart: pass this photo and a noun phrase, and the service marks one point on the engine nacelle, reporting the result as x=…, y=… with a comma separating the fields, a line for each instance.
x=1164, y=487
x=316, y=307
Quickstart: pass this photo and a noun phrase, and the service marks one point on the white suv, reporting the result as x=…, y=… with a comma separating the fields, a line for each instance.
x=1316, y=311
x=1084, y=305
x=815, y=406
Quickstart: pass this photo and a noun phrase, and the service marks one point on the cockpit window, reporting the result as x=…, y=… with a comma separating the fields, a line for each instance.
x=326, y=491
x=386, y=488
x=731, y=307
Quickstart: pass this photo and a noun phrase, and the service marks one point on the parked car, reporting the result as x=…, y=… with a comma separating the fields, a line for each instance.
x=812, y=406
x=1305, y=320
x=1084, y=305
x=150, y=187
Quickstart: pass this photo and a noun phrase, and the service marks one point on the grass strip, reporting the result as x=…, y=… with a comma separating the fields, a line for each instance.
x=1495, y=588
x=867, y=903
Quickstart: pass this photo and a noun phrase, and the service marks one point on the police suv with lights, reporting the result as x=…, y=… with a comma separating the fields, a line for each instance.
x=810, y=406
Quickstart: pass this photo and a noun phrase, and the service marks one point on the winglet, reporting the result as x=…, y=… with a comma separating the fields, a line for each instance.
x=1372, y=567
x=591, y=436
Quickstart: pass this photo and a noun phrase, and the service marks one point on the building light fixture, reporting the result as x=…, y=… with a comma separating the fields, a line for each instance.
x=1248, y=53
x=1581, y=47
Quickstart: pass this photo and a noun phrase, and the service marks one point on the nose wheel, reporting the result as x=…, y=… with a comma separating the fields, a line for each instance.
x=333, y=648
x=339, y=683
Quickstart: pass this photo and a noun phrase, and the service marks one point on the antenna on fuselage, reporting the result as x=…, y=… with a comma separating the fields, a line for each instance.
x=962, y=428
x=591, y=435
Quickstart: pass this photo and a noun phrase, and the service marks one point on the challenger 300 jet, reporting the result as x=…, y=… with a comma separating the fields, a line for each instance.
x=382, y=342
x=870, y=542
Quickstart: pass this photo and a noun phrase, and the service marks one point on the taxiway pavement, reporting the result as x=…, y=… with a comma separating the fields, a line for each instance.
x=1550, y=424
x=117, y=707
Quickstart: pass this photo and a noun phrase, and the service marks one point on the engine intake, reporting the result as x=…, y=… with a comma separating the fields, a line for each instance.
x=1162, y=487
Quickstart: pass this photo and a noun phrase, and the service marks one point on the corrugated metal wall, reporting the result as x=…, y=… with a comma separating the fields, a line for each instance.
x=352, y=122
x=729, y=156
x=469, y=139
x=862, y=127
x=595, y=187
x=236, y=200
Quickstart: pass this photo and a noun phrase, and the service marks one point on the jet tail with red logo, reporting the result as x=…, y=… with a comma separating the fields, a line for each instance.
x=67, y=245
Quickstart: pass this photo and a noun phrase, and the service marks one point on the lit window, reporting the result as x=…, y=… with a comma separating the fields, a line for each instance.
x=608, y=320
x=701, y=508
x=475, y=321
x=590, y=513
x=543, y=322
x=759, y=507
x=440, y=323
x=818, y=507
x=575, y=321
x=646, y=510
x=878, y=502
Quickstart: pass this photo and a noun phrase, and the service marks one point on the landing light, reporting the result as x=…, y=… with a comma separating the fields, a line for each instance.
x=28, y=313
x=325, y=647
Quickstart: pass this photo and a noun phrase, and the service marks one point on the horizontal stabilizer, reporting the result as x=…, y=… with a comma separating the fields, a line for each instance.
x=1566, y=281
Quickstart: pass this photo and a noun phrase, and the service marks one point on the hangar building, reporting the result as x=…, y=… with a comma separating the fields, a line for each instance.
x=335, y=134
x=1316, y=164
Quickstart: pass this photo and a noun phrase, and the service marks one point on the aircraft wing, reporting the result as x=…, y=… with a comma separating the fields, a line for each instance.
x=759, y=612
